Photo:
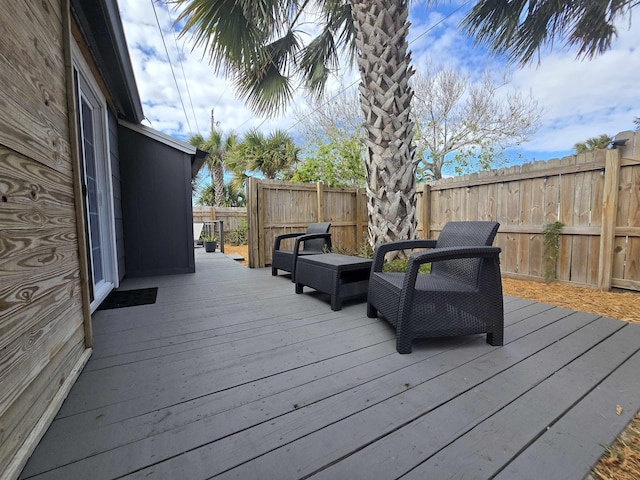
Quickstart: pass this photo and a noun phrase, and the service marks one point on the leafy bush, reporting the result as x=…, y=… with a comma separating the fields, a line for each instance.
x=551, y=249
x=397, y=265
x=400, y=266
x=239, y=235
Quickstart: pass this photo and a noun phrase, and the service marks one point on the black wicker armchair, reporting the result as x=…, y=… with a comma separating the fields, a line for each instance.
x=316, y=240
x=461, y=295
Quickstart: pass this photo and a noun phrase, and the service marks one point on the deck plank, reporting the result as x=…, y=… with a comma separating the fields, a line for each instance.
x=580, y=434
x=420, y=440
x=442, y=398
x=388, y=399
x=232, y=374
x=482, y=451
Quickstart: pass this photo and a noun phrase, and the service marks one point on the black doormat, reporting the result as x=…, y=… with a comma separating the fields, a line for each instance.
x=129, y=298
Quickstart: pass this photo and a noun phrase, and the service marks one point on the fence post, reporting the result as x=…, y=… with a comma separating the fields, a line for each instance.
x=426, y=210
x=320, y=190
x=252, y=213
x=359, y=219
x=609, y=218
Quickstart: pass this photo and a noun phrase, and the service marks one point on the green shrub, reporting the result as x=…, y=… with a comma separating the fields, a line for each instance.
x=239, y=235
x=365, y=250
x=551, y=249
x=400, y=266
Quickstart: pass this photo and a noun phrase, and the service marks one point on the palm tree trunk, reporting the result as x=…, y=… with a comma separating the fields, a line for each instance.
x=218, y=189
x=385, y=97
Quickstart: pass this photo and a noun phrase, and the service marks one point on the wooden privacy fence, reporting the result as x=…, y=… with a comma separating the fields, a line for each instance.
x=231, y=216
x=282, y=207
x=596, y=195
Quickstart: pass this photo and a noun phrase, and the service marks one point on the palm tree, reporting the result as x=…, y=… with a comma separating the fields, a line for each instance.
x=268, y=155
x=217, y=148
x=593, y=143
x=259, y=45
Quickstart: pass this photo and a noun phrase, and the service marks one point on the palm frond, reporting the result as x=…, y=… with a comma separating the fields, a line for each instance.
x=197, y=140
x=318, y=59
x=520, y=28
x=214, y=25
x=340, y=21
x=264, y=88
x=257, y=43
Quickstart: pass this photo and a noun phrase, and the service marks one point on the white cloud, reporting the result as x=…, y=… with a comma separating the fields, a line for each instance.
x=580, y=99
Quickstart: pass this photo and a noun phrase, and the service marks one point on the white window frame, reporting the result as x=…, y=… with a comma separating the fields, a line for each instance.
x=86, y=86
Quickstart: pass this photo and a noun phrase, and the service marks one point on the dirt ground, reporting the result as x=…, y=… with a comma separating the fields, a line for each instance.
x=620, y=305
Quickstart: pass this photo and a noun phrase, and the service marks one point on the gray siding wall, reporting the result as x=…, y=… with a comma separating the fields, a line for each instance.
x=156, y=206
x=114, y=156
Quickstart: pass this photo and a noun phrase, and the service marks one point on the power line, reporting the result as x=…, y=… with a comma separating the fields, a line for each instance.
x=186, y=83
x=170, y=64
x=344, y=89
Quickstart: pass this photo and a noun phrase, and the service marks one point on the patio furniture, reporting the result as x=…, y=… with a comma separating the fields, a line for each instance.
x=341, y=276
x=462, y=294
x=197, y=231
x=317, y=239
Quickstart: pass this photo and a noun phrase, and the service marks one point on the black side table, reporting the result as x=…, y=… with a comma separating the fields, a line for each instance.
x=341, y=276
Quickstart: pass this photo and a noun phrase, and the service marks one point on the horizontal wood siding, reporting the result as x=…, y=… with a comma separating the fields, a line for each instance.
x=34, y=108
x=41, y=320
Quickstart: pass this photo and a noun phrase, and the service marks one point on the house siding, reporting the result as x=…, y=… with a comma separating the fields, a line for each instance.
x=117, y=193
x=156, y=201
x=41, y=314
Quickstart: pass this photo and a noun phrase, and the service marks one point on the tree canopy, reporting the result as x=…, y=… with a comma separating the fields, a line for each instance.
x=231, y=196
x=261, y=45
x=332, y=146
x=217, y=147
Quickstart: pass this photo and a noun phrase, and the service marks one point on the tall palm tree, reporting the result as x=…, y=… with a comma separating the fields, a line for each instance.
x=385, y=68
x=217, y=147
x=259, y=45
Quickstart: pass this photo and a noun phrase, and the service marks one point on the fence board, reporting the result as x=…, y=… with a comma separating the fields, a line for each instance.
x=233, y=217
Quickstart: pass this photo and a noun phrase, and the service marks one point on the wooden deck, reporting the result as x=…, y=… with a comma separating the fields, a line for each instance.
x=232, y=374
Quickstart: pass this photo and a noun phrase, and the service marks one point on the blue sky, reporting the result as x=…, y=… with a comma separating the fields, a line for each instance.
x=579, y=99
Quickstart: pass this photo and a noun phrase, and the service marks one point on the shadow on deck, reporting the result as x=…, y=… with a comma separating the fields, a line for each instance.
x=232, y=374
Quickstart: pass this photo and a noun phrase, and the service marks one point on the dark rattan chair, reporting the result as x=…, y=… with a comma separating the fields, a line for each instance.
x=462, y=294
x=316, y=240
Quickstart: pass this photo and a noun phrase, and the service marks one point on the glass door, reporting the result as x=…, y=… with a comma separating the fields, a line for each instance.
x=96, y=189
